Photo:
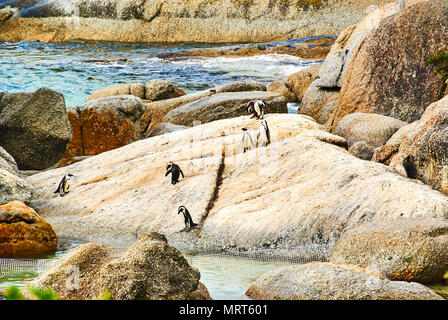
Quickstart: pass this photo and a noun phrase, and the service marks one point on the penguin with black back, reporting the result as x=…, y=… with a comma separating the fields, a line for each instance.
x=189, y=224
x=175, y=171
x=64, y=185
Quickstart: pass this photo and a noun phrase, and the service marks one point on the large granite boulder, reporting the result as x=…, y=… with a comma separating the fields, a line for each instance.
x=156, y=111
x=367, y=131
x=133, y=89
x=240, y=86
x=325, y=281
x=423, y=153
x=240, y=200
x=385, y=153
x=165, y=128
x=104, y=124
x=316, y=101
x=389, y=73
x=34, y=127
x=280, y=88
x=12, y=185
x=23, y=233
x=319, y=101
x=156, y=90
x=400, y=249
x=150, y=269
x=223, y=106
x=299, y=82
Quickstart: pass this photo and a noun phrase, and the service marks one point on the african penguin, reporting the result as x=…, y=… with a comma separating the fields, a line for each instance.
x=64, y=185
x=264, y=135
x=246, y=141
x=175, y=171
x=256, y=109
x=189, y=224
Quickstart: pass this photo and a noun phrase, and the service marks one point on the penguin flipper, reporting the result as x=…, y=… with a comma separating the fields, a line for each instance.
x=167, y=173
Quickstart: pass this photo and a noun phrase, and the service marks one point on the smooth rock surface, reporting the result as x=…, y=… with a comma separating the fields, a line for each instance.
x=400, y=249
x=23, y=233
x=316, y=100
x=324, y=281
x=223, y=106
x=165, y=128
x=299, y=82
x=246, y=202
x=423, y=152
x=372, y=128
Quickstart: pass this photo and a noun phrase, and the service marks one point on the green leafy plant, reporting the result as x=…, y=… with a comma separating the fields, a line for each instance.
x=44, y=294
x=440, y=62
x=13, y=293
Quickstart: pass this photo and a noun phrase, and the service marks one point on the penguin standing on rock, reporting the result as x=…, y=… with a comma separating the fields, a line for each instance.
x=256, y=109
x=246, y=141
x=189, y=224
x=64, y=185
x=264, y=135
x=175, y=171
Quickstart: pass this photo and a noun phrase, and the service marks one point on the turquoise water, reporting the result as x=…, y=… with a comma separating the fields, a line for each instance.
x=78, y=68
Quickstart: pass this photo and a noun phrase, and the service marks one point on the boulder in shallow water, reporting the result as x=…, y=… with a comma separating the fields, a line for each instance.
x=400, y=249
x=34, y=127
x=150, y=269
x=326, y=281
x=23, y=233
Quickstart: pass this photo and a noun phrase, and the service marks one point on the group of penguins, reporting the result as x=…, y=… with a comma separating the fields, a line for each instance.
x=256, y=109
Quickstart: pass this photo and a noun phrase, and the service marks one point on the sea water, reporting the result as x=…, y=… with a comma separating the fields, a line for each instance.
x=76, y=69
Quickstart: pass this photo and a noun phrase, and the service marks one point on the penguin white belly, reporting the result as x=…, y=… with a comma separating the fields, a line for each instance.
x=66, y=186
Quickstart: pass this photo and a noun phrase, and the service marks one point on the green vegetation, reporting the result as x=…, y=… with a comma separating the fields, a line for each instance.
x=106, y=295
x=13, y=293
x=440, y=61
x=44, y=294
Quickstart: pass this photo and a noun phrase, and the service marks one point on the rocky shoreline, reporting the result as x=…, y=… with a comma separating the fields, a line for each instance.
x=178, y=21
x=364, y=177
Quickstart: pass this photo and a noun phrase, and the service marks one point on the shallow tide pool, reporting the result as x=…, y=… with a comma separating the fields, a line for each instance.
x=226, y=277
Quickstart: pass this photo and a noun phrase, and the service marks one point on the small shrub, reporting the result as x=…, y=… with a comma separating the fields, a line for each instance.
x=13, y=293
x=44, y=294
x=106, y=295
x=440, y=62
